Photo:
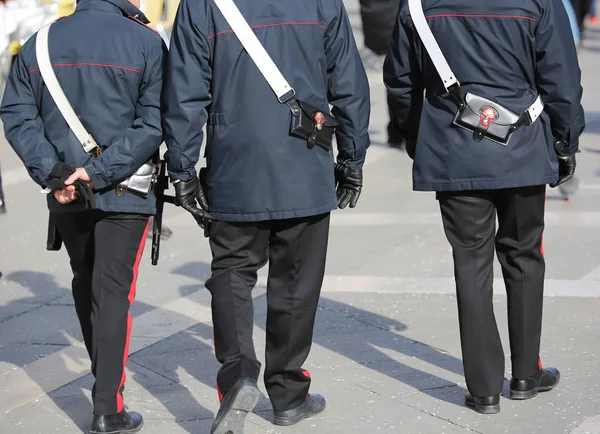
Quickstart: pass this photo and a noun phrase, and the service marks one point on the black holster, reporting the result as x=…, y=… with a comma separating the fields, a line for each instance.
x=54, y=241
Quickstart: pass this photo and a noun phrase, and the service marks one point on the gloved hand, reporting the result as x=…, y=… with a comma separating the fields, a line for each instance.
x=349, y=185
x=411, y=147
x=85, y=196
x=60, y=173
x=566, y=170
x=188, y=195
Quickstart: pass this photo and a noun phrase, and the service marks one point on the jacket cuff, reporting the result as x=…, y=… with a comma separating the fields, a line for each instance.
x=99, y=181
x=352, y=153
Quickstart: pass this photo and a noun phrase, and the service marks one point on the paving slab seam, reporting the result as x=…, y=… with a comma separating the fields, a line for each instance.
x=420, y=410
x=170, y=380
x=33, y=309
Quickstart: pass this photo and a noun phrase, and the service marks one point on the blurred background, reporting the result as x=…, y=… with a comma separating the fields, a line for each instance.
x=20, y=19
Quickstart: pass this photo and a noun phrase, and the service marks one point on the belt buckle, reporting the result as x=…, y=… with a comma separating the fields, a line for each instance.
x=96, y=152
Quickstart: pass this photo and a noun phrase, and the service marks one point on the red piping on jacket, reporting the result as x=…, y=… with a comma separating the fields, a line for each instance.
x=514, y=17
x=100, y=65
x=131, y=298
x=291, y=23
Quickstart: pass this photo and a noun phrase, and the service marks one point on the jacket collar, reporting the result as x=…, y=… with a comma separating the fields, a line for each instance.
x=119, y=7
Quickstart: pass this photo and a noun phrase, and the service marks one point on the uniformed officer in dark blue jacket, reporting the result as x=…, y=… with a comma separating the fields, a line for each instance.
x=269, y=193
x=508, y=53
x=110, y=67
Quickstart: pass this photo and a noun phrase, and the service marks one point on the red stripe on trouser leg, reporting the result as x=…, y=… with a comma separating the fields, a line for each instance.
x=307, y=375
x=540, y=364
x=219, y=392
x=542, y=239
x=131, y=298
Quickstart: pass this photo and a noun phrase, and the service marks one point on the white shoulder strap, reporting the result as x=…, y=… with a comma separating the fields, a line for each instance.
x=255, y=49
x=43, y=58
x=435, y=53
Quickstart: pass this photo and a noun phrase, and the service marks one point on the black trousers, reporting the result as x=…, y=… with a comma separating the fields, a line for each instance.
x=296, y=251
x=582, y=9
x=470, y=224
x=105, y=250
x=1, y=191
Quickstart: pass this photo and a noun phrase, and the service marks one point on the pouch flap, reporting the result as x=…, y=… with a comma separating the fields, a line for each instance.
x=490, y=110
x=147, y=169
x=310, y=111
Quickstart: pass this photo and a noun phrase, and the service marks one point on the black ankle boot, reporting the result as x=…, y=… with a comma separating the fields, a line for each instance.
x=312, y=406
x=120, y=423
x=483, y=405
x=544, y=380
x=237, y=402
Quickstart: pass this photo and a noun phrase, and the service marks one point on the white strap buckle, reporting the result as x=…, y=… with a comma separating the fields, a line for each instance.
x=535, y=110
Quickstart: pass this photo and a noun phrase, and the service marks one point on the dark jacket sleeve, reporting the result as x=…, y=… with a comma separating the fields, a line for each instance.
x=559, y=77
x=402, y=77
x=137, y=144
x=348, y=89
x=23, y=126
x=186, y=93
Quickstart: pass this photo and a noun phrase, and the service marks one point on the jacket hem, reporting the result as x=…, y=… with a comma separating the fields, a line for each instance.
x=117, y=209
x=271, y=215
x=468, y=185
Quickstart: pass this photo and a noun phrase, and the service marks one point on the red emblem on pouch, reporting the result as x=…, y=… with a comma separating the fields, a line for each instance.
x=319, y=119
x=488, y=114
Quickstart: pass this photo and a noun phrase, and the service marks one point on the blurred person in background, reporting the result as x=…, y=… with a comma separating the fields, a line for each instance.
x=378, y=21
x=2, y=203
x=582, y=9
x=593, y=12
x=572, y=21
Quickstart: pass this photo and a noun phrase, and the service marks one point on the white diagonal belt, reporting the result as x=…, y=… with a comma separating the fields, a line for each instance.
x=439, y=60
x=255, y=49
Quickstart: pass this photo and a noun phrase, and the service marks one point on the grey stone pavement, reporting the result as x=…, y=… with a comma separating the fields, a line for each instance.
x=386, y=350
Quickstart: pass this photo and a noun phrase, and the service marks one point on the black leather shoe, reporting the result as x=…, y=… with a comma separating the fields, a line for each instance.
x=484, y=405
x=120, y=423
x=237, y=402
x=546, y=379
x=312, y=406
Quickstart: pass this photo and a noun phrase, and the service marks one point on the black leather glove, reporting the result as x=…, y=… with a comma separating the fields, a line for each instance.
x=411, y=147
x=58, y=176
x=349, y=185
x=566, y=170
x=85, y=196
x=188, y=195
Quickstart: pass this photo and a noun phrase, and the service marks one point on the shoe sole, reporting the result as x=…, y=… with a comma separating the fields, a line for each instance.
x=289, y=421
x=483, y=409
x=520, y=396
x=127, y=431
x=232, y=422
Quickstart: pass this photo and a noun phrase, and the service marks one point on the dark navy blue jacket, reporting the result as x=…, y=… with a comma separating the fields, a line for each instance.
x=508, y=51
x=256, y=170
x=110, y=68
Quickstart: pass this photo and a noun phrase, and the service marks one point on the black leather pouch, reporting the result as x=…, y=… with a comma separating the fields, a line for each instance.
x=486, y=119
x=312, y=124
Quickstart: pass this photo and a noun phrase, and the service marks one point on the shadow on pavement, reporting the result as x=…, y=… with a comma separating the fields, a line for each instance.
x=369, y=344
x=73, y=400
